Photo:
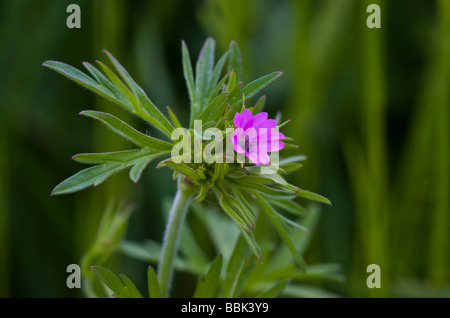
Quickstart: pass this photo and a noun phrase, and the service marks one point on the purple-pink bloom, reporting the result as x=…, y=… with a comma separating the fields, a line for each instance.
x=256, y=136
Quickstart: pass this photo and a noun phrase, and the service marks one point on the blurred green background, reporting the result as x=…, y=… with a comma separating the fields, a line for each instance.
x=369, y=107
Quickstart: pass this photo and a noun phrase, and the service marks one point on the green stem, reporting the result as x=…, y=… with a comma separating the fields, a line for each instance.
x=171, y=238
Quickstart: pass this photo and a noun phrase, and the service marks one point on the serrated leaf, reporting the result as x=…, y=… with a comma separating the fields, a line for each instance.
x=208, y=286
x=122, y=286
x=128, y=132
x=138, y=168
x=153, y=286
x=235, y=61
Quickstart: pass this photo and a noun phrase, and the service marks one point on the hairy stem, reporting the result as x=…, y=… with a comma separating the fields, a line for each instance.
x=171, y=238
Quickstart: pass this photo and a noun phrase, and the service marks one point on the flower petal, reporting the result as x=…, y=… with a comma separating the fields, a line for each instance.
x=264, y=158
x=259, y=119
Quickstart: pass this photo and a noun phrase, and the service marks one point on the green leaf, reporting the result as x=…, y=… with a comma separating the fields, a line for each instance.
x=174, y=118
x=130, y=290
x=128, y=132
x=153, y=285
x=248, y=267
x=203, y=75
x=138, y=168
x=122, y=286
x=289, y=206
x=212, y=89
x=292, y=159
x=258, y=85
x=275, y=290
x=260, y=187
x=194, y=175
x=86, y=81
x=290, y=167
x=207, y=287
x=303, y=291
x=313, y=196
x=235, y=61
x=204, y=187
x=108, y=164
x=259, y=105
x=282, y=230
x=146, y=109
x=232, y=81
x=235, y=267
x=120, y=86
x=217, y=102
x=187, y=71
x=102, y=80
x=87, y=177
x=228, y=208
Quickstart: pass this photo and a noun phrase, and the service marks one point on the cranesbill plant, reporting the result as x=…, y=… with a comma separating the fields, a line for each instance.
x=246, y=177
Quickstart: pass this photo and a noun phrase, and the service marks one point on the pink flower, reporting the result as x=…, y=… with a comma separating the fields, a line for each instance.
x=256, y=136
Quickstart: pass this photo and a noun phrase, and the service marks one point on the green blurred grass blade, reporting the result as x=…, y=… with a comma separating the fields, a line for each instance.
x=304, y=291
x=274, y=291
